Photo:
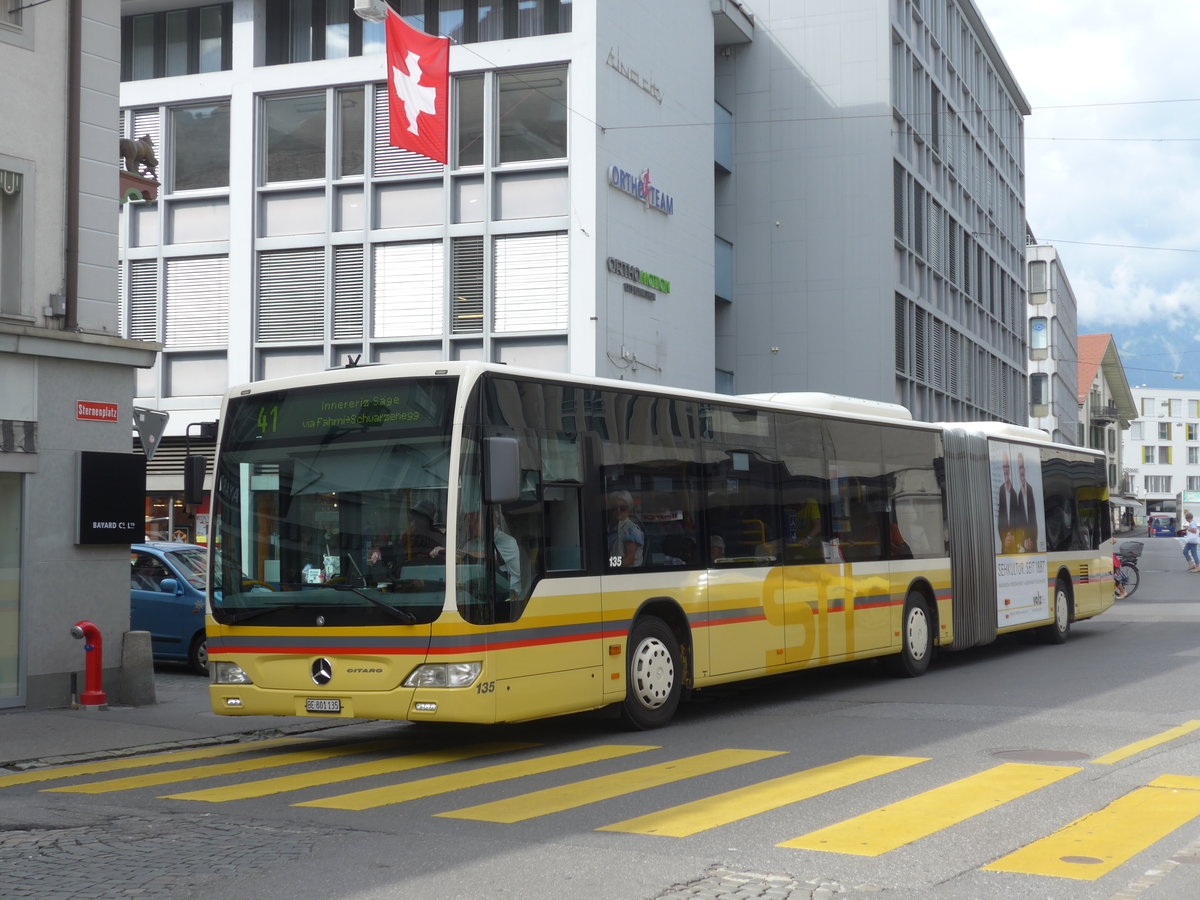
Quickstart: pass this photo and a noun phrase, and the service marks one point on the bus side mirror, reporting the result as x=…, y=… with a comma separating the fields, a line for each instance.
x=194, y=469
x=501, y=470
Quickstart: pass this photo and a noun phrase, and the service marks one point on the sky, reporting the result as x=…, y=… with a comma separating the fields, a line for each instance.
x=1112, y=166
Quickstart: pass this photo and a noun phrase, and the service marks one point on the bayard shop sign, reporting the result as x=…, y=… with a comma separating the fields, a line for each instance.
x=639, y=187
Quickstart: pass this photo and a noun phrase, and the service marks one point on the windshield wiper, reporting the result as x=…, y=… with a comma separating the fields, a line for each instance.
x=235, y=618
x=402, y=614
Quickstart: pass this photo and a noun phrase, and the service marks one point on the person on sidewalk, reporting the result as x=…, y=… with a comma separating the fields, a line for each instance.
x=1190, y=532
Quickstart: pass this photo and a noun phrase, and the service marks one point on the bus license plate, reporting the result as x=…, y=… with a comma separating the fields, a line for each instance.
x=326, y=706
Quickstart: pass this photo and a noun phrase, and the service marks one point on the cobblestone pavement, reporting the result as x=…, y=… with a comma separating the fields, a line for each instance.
x=137, y=856
x=720, y=883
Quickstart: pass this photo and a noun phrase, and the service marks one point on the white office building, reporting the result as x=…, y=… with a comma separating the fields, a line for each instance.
x=1162, y=447
x=751, y=196
x=1053, y=350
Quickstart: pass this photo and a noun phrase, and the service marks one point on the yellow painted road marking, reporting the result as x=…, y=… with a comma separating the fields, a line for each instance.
x=234, y=768
x=443, y=784
x=335, y=774
x=1096, y=844
x=605, y=787
x=1137, y=747
x=889, y=827
x=137, y=762
x=731, y=806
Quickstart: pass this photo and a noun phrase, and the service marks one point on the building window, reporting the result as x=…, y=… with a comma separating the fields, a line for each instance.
x=1039, y=395
x=11, y=241
x=531, y=282
x=1135, y=431
x=1148, y=408
x=307, y=30
x=200, y=147
x=408, y=289
x=1190, y=431
x=1193, y=456
x=469, y=100
x=1164, y=431
x=1147, y=454
x=295, y=137
x=352, y=118
x=1164, y=456
x=1193, y=483
x=177, y=42
x=1039, y=337
x=1037, y=279
x=1158, y=484
x=532, y=114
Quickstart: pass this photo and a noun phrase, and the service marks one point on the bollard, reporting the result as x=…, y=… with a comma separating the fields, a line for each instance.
x=93, y=697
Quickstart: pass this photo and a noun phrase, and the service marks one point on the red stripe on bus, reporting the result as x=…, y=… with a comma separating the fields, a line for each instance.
x=731, y=620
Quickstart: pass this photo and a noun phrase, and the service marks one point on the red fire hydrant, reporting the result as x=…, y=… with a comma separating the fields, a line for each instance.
x=93, y=697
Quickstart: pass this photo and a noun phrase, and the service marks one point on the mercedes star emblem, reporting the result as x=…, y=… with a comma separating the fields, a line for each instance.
x=322, y=671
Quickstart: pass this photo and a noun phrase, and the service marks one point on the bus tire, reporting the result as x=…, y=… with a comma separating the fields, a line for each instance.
x=198, y=654
x=916, y=639
x=1056, y=632
x=654, y=672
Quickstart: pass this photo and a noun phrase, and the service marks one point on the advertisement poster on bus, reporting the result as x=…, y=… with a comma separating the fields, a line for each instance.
x=1021, y=587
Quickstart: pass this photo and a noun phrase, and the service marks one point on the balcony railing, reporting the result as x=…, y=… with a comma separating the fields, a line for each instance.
x=1104, y=414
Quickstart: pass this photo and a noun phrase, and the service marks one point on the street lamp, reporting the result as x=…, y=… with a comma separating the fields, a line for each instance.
x=371, y=10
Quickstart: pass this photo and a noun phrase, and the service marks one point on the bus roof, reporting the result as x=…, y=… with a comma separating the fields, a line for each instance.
x=805, y=401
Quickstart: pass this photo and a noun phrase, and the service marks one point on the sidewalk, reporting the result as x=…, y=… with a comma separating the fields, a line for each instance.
x=181, y=717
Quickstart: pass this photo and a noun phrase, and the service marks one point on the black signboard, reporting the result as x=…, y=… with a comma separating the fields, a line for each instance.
x=112, y=498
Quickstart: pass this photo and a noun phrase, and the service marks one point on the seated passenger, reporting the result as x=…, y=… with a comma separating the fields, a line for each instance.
x=626, y=540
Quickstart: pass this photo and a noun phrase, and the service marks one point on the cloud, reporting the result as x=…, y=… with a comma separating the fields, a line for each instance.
x=1089, y=183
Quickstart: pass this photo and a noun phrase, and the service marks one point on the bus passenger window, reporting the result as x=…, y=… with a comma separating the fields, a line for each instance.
x=626, y=538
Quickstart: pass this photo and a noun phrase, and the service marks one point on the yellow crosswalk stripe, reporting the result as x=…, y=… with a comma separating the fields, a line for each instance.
x=732, y=806
x=233, y=768
x=443, y=784
x=137, y=762
x=889, y=827
x=1138, y=746
x=605, y=787
x=349, y=772
x=1094, y=845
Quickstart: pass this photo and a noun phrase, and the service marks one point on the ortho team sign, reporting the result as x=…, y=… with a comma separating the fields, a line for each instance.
x=639, y=187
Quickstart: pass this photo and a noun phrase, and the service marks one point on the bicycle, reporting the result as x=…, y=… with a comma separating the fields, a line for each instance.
x=1128, y=575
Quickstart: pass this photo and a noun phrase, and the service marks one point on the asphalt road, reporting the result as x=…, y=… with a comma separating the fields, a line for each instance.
x=1015, y=770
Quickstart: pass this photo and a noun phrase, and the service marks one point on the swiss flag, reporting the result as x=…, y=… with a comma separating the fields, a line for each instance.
x=418, y=69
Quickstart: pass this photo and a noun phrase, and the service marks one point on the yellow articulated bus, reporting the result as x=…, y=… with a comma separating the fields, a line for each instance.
x=463, y=542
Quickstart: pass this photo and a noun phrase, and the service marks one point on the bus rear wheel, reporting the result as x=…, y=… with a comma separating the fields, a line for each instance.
x=1056, y=632
x=916, y=639
x=654, y=675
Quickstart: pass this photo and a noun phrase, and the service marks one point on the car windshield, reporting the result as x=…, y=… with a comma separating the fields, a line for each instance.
x=191, y=564
x=330, y=504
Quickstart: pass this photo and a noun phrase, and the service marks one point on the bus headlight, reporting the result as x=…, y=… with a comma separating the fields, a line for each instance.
x=444, y=675
x=227, y=673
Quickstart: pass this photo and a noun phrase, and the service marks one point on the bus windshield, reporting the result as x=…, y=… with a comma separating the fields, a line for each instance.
x=330, y=505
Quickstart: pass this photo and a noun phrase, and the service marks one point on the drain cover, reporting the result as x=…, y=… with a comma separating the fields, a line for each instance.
x=1042, y=755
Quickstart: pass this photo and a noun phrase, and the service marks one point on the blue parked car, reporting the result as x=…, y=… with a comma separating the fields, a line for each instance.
x=166, y=598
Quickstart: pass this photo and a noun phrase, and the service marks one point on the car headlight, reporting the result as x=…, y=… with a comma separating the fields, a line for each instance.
x=227, y=673
x=461, y=674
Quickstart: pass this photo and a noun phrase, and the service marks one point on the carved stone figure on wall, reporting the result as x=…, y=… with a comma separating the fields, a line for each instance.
x=138, y=154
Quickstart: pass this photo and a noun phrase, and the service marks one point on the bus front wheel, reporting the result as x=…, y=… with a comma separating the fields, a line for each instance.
x=654, y=671
x=916, y=639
